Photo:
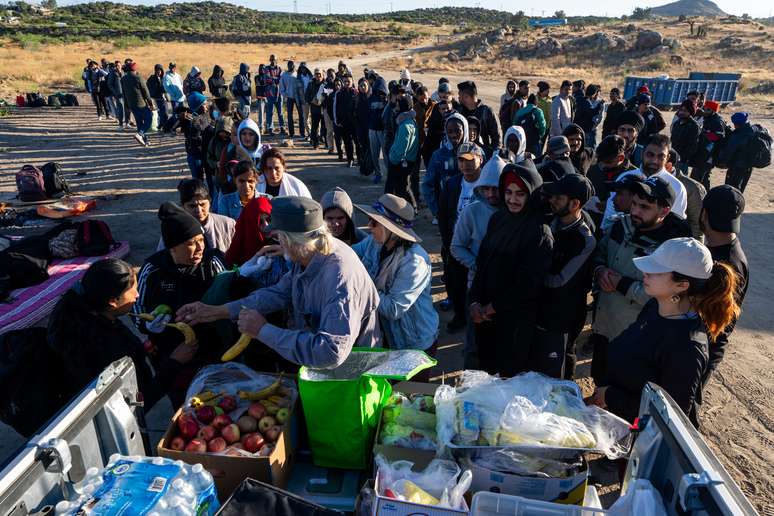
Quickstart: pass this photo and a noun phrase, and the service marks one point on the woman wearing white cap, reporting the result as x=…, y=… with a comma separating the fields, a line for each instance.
x=693, y=298
x=401, y=270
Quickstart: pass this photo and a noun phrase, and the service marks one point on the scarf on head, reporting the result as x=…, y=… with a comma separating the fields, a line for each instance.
x=248, y=238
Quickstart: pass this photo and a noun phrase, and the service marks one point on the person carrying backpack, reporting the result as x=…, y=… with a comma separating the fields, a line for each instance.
x=241, y=88
x=747, y=147
x=532, y=120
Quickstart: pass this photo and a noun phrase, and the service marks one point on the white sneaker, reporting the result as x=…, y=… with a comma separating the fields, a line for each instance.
x=139, y=138
x=99, y=117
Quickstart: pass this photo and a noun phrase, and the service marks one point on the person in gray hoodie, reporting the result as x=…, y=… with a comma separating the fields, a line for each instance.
x=242, y=89
x=470, y=230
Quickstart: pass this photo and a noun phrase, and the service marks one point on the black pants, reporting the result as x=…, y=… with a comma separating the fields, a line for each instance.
x=455, y=277
x=570, y=355
x=100, y=103
x=414, y=181
x=317, y=119
x=347, y=137
x=738, y=177
x=702, y=174
x=548, y=352
x=289, y=105
x=506, y=347
x=599, y=358
x=398, y=182
x=364, y=152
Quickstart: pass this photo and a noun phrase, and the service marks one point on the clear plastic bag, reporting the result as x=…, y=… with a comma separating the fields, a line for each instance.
x=432, y=486
x=530, y=410
x=641, y=499
x=515, y=463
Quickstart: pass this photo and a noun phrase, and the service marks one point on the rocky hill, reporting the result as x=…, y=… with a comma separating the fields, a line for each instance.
x=688, y=8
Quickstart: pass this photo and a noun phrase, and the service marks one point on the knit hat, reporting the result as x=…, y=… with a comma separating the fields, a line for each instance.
x=196, y=100
x=711, y=105
x=739, y=118
x=643, y=89
x=296, y=214
x=337, y=198
x=574, y=186
x=444, y=88
x=405, y=74
x=558, y=145
x=643, y=98
x=631, y=118
x=177, y=225
x=689, y=106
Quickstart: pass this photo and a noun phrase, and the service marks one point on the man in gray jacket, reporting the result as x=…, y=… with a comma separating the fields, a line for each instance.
x=333, y=299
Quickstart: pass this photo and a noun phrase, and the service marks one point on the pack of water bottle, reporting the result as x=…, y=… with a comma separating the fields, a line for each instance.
x=152, y=486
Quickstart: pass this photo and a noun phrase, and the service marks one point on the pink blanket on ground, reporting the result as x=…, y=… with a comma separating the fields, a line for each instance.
x=31, y=304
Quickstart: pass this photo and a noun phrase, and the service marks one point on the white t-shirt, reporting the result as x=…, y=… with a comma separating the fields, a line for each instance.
x=466, y=195
x=681, y=198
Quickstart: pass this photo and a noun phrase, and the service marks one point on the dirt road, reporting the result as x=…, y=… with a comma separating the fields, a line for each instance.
x=99, y=160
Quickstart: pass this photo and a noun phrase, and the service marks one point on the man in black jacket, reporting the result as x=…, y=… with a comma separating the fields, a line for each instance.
x=614, y=110
x=654, y=120
x=713, y=132
x=568, y=281
x=556, y=163
x=344, y=117
x=311, y=98
x=155, y=85
x=685, y=135
x=588, y=113
x=471, y=105
x=735, y=154
x=456, y=194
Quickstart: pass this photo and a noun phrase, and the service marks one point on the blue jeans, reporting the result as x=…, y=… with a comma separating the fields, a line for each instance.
x=117, y=107
x=261, y=110
x=244, y=106
x=195, y=164
x=271, y=104
x=143, y=117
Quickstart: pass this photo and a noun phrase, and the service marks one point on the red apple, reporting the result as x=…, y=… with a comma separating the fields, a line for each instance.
x=230, y=433
x=265, y=423
x=253, y=442
x=196, y=446
x=187, y=426
x=228, y=403
x=205, y=414
x=247, y=424
x=207, y=433
x=216, y=445
x=273, y=433
x=177, y=444
x=256, y=411
x=221, y=421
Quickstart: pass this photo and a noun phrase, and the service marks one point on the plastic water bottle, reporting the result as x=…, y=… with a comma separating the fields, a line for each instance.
x=64, y=507
x=185, y=491
x=159, y=461
x=201, y=479
x=113, y=459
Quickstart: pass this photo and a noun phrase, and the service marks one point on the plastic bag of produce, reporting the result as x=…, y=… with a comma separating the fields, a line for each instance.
x=431, y=486
x=342, y=406
x=527, y=411
x=515, y=463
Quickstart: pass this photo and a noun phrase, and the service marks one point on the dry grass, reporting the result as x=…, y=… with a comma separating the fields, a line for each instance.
x=54, y=67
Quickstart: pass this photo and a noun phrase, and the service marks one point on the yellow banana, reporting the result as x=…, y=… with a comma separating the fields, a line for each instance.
x=237, y=349
x=271, y=408
x=207, y=395
x=263, y=393
x=187, y=331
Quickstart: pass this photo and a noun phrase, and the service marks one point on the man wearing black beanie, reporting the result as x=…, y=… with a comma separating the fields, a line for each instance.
x=175, y=276
x=630, y=123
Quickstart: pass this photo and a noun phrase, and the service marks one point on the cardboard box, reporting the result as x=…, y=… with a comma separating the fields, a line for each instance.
x=569, y=490
x=420, y=458
x=390, y=507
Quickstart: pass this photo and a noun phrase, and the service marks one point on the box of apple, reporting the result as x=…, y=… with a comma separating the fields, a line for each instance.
x=210, y=428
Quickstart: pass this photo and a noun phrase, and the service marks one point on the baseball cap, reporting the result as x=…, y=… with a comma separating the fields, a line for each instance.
x=629, y=182
x=684, y=255
x=469, y=150
x=574, y=186
x=558, y=145
x=724, y=205
x=656, y=188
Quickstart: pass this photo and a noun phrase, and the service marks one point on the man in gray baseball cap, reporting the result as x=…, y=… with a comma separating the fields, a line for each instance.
x=333, y=299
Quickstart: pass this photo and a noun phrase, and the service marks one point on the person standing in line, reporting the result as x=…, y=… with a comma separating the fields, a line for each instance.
x=561, y=110
x=138, y=101
x=315, y=109
x=471, y=106
x=260, y=97
x=614, y=109
x=377, y=103
x=287, y=90
x=241, y=88
x=694, y=193
x=713, y=131
x=344, y=118
x=217, y=83
x=685, y=135
x=404, y=152
x=654, y=120
x=173, y=86
x=155, y=85
x=325, y=94
x=194, y=82
x=273, y=97
x=96, y=77
x=117, y=95
x=736, y=154
x=362, y=109
x=531, y=119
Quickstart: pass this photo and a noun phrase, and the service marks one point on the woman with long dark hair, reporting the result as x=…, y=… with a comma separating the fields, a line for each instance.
x=694, y=299
x=86, y=335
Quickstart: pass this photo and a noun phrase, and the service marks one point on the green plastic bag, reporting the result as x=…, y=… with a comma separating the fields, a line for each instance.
x=342, y=406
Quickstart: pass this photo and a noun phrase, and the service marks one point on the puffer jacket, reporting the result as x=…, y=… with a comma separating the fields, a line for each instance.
x=617, y=249
x=406, y=313
x=442, y=165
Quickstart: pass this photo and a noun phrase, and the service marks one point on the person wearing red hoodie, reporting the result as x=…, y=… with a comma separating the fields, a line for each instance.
x=251, y=232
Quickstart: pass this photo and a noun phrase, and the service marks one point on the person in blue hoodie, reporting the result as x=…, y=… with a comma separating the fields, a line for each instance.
x=241, y=88
x=404, y=152
x=443, y=162
x=402, y=273
x=376, y=105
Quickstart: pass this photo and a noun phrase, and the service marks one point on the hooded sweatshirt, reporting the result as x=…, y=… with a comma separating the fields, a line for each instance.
x=519, y=132
x=533, y=120
x=216, y=146
x=173, y=85
x=193, y=82
x=248, y=238
x=241, y=86
x=406, y=144
x=377, y=105
x=582, y=159
x=472, y=223
x=514, y=257
x=248, y=123
x=217, y=83
x=287, y=84
x=442, y=165
x=506, y=97
x=155, y=83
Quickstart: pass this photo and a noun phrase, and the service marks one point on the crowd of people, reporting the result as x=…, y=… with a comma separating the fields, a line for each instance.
x=536, y=217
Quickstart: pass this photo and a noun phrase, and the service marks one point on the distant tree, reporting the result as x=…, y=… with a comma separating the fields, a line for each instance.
x=560, y=14
x=745, y=16
x=48, y=4
x=641, y=13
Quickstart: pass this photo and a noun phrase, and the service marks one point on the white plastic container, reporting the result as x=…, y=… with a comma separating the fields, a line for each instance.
x=493, y=504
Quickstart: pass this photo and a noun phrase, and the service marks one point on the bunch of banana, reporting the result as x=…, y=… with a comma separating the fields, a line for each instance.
x=237, y=349
x=205, y=398
x=264, y=393
x=185, y=329
x=271, y=407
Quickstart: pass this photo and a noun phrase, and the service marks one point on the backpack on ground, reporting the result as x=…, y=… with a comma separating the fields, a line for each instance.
x=53, y=101
x=21, y=101
x=94, y=238
x=29, y=380
x=30, y=184
x=759, y=148
x=54, y=181
x=71, y=99
x=34, y=99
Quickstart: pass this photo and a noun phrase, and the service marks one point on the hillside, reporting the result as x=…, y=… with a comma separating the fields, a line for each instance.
x=688, y=8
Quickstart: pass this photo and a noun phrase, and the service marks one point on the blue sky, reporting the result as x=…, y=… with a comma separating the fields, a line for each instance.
x=755, y=8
